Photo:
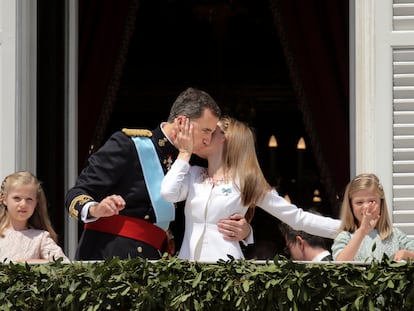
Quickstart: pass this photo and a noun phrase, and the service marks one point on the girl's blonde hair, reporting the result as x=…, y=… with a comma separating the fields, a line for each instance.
x=365, y=182
x=40, y=218
x=240, y=160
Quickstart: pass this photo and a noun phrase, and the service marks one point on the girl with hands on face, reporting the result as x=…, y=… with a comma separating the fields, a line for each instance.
x=367, y=231
x=366, y=210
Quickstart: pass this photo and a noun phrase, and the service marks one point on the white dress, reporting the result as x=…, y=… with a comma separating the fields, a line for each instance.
x=28, y=244
x=206, y=204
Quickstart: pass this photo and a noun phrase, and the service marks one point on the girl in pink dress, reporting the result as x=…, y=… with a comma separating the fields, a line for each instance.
x=26, y=233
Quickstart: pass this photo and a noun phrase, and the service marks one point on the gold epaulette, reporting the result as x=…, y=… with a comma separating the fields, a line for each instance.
x=137, y=132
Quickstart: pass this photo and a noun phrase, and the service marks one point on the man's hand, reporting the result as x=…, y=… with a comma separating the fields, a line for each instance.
x=235, y=228
x=109, y=206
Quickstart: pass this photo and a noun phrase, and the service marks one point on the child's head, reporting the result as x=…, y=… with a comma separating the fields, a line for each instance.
x=364, y=187
x=32, y=190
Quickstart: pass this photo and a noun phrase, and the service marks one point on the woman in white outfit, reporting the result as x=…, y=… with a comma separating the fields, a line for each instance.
x=232, y=183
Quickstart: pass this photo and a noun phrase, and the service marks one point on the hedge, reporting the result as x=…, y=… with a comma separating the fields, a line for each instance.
x=174, y=284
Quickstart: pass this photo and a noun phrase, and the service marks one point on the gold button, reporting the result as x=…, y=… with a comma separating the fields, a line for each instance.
x=139, y=249
x=146, y=217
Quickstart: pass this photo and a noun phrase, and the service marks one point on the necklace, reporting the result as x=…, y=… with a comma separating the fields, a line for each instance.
x=216, y=182
x=213, y=181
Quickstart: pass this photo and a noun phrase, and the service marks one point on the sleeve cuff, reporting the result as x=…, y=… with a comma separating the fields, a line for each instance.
x=249, y=239
x=85, y=212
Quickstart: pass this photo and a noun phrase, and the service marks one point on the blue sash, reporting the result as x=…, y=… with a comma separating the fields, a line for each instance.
x=153, y=175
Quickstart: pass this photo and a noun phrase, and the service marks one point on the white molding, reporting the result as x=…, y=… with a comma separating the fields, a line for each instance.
x=26, y=95
x=364, y=86
x=372, y=132
x=383, y=99
x=71, y=117
x=7, y=86
x=18, y=86
x=352, y=86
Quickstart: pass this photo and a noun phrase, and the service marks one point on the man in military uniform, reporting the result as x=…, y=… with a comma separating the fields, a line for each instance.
x=112, y=196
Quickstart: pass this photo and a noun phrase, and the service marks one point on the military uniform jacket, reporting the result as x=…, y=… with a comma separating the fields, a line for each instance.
x=116, y=169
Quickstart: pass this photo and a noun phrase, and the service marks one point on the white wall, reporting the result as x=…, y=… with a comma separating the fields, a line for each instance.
x=7, y=86
x=371, y=72
x=17, y=86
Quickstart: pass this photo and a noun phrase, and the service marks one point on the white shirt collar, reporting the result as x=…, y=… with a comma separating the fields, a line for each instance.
x=321, y=255
x=162, y=130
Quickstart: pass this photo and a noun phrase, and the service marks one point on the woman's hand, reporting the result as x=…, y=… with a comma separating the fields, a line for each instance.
x=184, y=140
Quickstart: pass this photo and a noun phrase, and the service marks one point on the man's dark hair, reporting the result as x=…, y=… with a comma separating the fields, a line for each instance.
x=191, y=103
x=313, y=240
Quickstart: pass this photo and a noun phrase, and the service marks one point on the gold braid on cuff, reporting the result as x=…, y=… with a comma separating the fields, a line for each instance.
x=81, y=200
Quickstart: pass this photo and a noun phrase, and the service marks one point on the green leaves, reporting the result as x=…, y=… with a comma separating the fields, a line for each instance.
x=174, y=284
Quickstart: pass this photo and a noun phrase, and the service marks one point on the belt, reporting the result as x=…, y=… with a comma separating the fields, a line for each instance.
x=133, y=228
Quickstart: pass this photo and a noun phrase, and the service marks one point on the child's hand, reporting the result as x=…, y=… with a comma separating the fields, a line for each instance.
x=370, y=216
x=403, y=254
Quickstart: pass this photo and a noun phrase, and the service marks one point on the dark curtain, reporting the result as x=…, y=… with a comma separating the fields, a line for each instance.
x=105, y=29
x=314, y=37
x=50, y=107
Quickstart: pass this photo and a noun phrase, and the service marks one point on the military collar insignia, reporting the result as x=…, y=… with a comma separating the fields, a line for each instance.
x=162, y=141
x=164, y=146
x=168, y=161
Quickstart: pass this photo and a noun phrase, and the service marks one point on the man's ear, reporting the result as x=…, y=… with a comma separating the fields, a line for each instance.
x=300, y=241
x=179, y=119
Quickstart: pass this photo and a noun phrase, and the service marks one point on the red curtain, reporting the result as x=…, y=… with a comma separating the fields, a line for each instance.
x=105, y=29
x=314, y=36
